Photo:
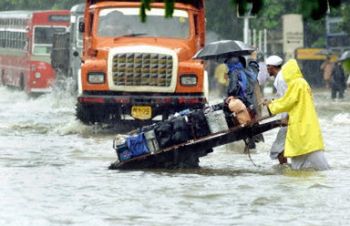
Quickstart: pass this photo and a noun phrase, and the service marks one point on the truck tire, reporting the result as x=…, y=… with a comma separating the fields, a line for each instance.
x=21, y=83
x=2, y=78
x=84, y=114
x=92, y=114
x=188, y=159
x=167, y=160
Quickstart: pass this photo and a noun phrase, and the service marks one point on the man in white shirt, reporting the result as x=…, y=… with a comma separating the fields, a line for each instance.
x=274, y=65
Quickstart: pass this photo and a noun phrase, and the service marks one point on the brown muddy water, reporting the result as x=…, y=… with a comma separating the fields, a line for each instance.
x=53, y=171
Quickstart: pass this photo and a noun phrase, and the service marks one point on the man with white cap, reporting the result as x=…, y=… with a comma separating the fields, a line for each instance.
x=274, y=65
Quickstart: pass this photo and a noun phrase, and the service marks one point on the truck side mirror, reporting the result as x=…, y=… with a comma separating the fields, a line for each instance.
x=82, y=26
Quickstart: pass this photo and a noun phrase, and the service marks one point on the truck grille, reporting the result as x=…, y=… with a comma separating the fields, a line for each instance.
x=142, y=69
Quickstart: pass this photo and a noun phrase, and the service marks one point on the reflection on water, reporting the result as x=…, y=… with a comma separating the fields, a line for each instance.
x=53, y=171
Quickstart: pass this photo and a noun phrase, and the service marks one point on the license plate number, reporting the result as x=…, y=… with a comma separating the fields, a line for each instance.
x=141, y=112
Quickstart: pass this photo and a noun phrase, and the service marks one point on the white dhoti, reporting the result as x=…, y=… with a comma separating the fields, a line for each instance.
x=278, y=144
x=314, y=160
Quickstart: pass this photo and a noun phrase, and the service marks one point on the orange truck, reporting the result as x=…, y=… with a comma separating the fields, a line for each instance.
x=137, y=71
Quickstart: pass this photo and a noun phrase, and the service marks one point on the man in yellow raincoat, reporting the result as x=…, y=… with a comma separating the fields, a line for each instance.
x=304, y=142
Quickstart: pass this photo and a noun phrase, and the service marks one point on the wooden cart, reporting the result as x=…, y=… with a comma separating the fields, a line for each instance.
x=186, y=155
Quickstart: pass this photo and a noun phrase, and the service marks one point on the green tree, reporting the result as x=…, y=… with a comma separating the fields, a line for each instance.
x=315, y=9
x=270, y=17
x=345, y=12
x=37, y=4
x=310, y=8
x=222, y=14
x=222, y=19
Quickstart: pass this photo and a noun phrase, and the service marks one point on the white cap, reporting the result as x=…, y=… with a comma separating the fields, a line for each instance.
x=274, y=60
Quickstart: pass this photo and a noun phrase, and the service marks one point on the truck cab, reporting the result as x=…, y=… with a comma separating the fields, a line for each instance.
x=138, y=70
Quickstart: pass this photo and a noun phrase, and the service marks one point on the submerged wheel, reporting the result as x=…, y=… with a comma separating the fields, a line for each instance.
x=21, y=83
x=89, y=114
x=2, y=78
x=184, y=160
x=167, y=160
x=84, y=114
x=187, y=159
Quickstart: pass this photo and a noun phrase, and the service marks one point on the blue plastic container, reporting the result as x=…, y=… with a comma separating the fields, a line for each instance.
x=123, y=152
x=137, y=145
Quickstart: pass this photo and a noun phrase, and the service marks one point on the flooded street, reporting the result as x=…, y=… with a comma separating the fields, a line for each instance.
x=53, y=171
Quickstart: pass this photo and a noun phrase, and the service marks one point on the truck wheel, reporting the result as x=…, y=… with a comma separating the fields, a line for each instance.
x=21, y=83
x=2, y=78
x=186, y=160
x=84, y=114
x=183, y=159
x=90, y=114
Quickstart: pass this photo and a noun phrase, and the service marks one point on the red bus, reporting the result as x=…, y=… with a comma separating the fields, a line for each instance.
x=25, y=47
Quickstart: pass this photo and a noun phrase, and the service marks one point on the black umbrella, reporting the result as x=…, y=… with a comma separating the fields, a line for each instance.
x=345, y=56
x=223, y=49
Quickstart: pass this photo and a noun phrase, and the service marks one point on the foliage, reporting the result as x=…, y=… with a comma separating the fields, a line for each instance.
x=243, y=6
x=37, y=4
x=346, y=17
x=222, y=19
x=146, y=5
x=221, y=14
x=315, y=9
x=270, y=17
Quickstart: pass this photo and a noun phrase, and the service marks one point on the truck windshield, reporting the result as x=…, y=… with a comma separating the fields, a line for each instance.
x=114, y=22
x=43, y=38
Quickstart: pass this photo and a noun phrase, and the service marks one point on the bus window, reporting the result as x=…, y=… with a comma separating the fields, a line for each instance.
x=43, y=38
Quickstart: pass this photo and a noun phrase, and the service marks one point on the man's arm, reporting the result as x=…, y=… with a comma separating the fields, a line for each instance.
x=285, y=103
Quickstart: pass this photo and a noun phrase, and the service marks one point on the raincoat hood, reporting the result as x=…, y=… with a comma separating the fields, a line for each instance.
x=291, y=71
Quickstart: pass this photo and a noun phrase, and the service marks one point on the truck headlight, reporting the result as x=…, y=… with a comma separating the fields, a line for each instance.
x=96, y=78
x=188, y=80
x=37, y=75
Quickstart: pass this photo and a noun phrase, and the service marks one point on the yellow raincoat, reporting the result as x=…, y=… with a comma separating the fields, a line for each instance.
x=221, y=74
x=304, y=133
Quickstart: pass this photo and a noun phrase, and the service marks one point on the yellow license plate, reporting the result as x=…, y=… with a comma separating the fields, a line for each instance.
x=141, y=112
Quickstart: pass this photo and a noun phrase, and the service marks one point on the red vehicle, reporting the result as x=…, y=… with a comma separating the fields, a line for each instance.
x=25, y=47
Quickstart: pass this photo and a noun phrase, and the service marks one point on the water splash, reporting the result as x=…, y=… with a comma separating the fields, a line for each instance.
x=342, y=118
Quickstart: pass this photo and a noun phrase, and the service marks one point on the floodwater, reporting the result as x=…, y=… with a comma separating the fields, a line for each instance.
x=53, y=171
